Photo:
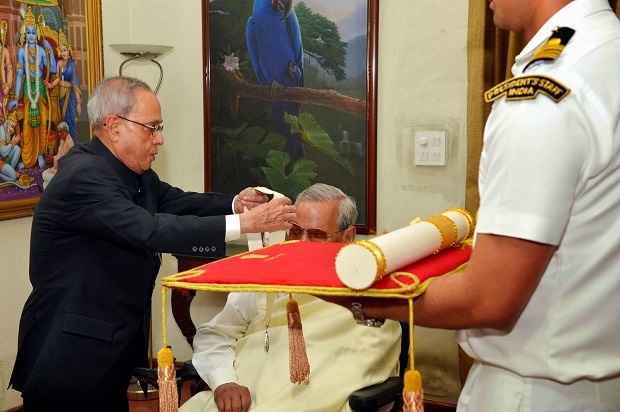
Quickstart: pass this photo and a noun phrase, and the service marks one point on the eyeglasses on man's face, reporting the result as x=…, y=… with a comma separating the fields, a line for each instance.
x=153, y=129
x=314, y=234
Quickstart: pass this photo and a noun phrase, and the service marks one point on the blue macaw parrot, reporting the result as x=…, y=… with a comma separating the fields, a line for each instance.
x=274, y=43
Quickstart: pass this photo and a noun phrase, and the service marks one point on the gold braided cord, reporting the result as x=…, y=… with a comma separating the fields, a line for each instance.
x=404, y=292
x=470, y=219
x=397, y=276
x=377, y=254
x=424, y=285
x=413, y=394
x=163, y=316
x=411, y=327
x=448, y=231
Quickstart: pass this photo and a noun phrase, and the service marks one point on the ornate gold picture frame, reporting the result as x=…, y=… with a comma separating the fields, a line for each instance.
x=261, y=129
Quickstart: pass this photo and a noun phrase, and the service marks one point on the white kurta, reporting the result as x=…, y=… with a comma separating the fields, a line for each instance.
x=343, y=355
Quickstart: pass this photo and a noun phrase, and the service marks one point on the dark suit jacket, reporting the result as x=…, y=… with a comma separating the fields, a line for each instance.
x=96, y=240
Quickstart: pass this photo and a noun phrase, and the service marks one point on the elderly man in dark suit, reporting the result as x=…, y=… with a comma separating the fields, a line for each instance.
x=97, y=235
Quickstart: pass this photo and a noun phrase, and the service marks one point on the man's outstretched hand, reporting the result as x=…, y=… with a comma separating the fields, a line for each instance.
x=249, y=198
x=272, y=216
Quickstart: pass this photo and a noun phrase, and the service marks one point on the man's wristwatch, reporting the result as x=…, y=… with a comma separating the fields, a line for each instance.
x=357, y=308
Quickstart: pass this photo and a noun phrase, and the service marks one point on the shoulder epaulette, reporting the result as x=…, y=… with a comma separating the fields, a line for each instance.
x=553, y=47
x=527, y=87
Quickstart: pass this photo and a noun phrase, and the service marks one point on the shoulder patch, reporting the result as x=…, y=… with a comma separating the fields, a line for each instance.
x=527, y=88
x=554, y=46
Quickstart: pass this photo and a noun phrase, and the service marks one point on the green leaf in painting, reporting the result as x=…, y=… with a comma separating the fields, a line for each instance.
x=251, y=142
x=296, y=181
x=314, y=135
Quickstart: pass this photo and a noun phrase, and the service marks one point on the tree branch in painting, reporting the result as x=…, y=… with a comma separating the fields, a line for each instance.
x=329, y=98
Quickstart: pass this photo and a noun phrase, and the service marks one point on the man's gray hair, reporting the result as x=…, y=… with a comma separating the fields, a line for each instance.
x=320, y=192
x=63, y=126
x=114, y=96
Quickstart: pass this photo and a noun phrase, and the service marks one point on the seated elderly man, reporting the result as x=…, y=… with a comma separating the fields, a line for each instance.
x=230, y=351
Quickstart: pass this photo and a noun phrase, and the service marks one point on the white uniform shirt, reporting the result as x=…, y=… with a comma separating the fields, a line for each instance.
x=550, y=173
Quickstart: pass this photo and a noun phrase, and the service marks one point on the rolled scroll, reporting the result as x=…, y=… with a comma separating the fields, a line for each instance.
x=364, y=262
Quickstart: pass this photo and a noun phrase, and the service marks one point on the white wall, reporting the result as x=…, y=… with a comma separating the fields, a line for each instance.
x=13, y=293
x=422, y=85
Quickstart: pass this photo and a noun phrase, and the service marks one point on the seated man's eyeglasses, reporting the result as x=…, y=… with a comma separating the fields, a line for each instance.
x=153, y=129
x=314, y=234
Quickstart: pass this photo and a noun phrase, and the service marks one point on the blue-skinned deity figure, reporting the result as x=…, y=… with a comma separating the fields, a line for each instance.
x=33, y=60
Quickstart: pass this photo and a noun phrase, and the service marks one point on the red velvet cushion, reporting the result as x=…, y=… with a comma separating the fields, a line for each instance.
x=309, y=267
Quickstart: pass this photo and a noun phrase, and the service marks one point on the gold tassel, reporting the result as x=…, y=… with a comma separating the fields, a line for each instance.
x=166, y=371
x=413, y=394
x=298, y=358
x=166, y=381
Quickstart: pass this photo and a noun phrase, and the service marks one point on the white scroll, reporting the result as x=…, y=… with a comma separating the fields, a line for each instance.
x=364, y=262
x=259, y=240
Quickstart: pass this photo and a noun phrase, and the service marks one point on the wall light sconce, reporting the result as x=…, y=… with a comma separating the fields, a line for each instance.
x=142, y=51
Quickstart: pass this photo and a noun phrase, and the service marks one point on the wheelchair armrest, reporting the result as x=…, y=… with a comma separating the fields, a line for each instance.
x=144, y=373
x=188, y=371
x=150, y=374
x=375, y=396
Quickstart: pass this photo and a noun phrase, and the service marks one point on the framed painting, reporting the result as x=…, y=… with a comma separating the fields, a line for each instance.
x=51, y=60
x=290, y=97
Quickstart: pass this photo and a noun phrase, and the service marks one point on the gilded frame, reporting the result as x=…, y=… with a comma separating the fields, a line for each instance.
x=219, y=88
